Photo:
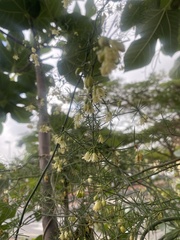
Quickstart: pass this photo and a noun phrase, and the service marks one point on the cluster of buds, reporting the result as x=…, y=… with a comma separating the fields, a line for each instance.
x=34, y=57
x=30, y=108
x=44, y=128
x=108, y=55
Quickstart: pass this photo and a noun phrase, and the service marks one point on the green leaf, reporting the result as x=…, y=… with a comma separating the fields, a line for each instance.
x=6, y=211
x=81, y=31
x=51, y=10
x=26, y=81
x=6, y=59
x=33, y=7
x=90, y=8
x=139, y=53
x=169, y=31
x=13, y=15
x=67, y=69
x=157, y=25
x=165, y=3
x=133, y=14
x=19, y=114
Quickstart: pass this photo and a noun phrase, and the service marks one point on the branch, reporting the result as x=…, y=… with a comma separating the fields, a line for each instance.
x=153, y=225
x=172, y=162
x=13, y=38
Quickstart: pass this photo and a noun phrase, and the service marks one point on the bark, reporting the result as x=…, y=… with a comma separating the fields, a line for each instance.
x=49, y=221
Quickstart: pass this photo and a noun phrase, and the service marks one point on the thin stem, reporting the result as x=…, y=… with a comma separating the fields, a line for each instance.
x=13, y=38
x=153, y=225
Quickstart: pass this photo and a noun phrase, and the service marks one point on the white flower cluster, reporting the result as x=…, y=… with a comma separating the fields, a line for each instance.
x=44, y=128
x=59, y=164
x=90, y=157
x=15, y=57
x=62, y=144
x=65, y=235
x=30, y=108
x=108, y=55
x=98, y=93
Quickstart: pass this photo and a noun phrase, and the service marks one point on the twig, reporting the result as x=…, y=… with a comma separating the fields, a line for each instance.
x=153, y=225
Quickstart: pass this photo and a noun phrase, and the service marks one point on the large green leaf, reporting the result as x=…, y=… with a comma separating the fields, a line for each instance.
x=169, y=30
x=11, y=101
x=20, y=114
x=67, y=69
x=157, y=25
x=13, y=15
x=51, y=10
x=81, y=33
x=133, y=14
x=6, y=59
x=20, y=15
x=90, y=8
x=139, y=53
x=6, y=211
x=33, y=7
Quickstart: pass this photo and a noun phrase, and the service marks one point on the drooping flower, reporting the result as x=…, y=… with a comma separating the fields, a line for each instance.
x=97, y=206
x=87, y=156
x=77, y=120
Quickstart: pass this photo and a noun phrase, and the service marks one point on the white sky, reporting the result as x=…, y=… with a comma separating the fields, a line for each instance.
x=12, y=132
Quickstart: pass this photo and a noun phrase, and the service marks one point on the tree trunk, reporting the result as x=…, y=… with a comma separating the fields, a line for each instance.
x=49, y=221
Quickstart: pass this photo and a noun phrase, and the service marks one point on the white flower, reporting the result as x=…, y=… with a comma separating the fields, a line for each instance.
x=108, y=117
x=94, y=157
x=97, y=206
x=62, y=144
x=97, y=94
x=77, y=120
x=87, y=156
x=100, y=139
x=35, y=59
